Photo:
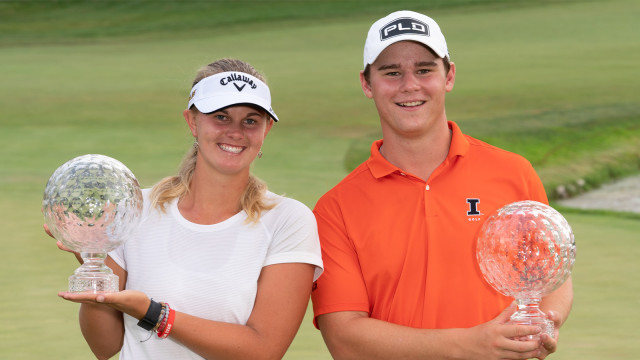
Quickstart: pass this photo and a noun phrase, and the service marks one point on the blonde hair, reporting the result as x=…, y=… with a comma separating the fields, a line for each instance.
x=253, y=199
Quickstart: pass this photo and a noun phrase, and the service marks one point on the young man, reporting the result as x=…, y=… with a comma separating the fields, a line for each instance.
x=398, y=234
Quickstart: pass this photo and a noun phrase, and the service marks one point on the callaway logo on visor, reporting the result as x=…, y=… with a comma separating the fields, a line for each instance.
x=234, y=78
x=404, y=26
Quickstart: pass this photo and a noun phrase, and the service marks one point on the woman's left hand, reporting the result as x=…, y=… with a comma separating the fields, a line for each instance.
x=131, y=302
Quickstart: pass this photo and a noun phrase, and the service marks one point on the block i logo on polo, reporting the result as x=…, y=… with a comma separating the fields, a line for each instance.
x=404, y=26
x=236, y=78
x=473, y=213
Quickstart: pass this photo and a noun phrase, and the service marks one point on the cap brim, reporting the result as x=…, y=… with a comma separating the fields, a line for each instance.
x=210, y=104
x=418, y=39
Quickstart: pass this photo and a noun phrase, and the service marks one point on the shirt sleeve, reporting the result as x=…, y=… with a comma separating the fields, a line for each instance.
x=295, y=236
x=118, y=255
x=535, y=186
x=341, y=287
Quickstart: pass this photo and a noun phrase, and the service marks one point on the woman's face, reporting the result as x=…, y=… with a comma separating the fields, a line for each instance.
x=229, y=139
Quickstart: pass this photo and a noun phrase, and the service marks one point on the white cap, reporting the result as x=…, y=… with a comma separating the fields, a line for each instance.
x=230, y=88
x=400, y=26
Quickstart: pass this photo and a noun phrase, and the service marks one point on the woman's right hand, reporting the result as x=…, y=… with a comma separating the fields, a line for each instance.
x=61, y=246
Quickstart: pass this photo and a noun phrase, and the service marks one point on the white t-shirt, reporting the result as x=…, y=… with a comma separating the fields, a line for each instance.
x=209, y=271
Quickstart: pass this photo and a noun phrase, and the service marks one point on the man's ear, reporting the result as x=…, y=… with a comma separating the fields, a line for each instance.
x=451, y=77
x=366, y=87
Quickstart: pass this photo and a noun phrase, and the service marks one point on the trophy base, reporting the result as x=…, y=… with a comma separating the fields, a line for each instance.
x=546, y=325
x=93, y=275
x=529, y=313
x=95, y=283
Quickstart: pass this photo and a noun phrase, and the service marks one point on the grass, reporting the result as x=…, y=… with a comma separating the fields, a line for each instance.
x=544, y=80
x=63, y=21
x=606, y=279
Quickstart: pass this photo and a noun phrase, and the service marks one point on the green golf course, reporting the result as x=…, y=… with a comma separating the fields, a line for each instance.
x=555, y=81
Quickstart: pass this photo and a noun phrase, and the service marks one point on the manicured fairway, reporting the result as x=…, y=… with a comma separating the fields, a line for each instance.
x=556, y=81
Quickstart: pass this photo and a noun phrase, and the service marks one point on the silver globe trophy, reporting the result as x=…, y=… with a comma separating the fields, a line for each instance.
x=91, y=204
x=526, y=250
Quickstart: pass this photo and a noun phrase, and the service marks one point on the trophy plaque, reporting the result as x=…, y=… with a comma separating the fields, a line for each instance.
x=91, y=204
x=526, y=250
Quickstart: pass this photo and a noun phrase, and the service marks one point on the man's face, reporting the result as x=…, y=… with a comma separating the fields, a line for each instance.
x=408, y=83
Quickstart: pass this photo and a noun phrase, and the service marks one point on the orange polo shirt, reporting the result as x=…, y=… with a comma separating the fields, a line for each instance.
x=403, y=249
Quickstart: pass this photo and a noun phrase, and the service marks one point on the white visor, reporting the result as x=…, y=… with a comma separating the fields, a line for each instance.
x=230, y=88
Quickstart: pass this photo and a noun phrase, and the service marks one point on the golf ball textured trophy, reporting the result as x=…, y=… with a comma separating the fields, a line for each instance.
x=526, y=250
x=91, y=204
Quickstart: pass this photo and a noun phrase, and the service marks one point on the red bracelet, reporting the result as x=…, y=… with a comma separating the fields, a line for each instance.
x=167, y=328
x=165, y=316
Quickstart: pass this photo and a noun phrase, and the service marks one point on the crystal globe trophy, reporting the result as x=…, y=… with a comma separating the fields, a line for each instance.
x=91, y=204
x=526, y=250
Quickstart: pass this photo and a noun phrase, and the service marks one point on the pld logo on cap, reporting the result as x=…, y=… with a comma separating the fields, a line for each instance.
x=403, y=26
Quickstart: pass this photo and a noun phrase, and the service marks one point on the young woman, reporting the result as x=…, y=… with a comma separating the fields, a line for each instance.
x=219, y=268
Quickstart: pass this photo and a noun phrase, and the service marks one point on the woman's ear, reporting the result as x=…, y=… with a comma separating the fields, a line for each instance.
x=190, y=118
